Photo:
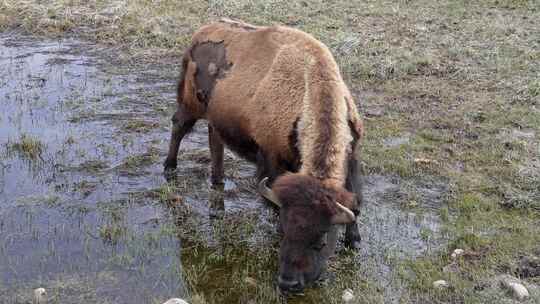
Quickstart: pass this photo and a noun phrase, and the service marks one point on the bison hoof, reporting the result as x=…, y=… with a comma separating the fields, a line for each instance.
x=217, y=181
x=352, y=238
x=169, y=165
x=354, y=245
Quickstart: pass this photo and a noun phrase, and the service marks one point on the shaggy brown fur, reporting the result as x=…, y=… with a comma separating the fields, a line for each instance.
x=275, y=96
x=272, y=77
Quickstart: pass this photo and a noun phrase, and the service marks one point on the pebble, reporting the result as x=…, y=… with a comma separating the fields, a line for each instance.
x=440, y=284
x=347, y=295
x=518, y=290
x=176, y=301
x=457, y=253
x=373, y=112
x=40, y=296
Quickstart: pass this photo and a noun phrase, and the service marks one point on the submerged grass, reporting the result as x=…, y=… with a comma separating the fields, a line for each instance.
x=28, y=146
x=460, y=78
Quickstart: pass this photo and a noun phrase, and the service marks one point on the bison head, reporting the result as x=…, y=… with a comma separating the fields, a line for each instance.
x=308, y=210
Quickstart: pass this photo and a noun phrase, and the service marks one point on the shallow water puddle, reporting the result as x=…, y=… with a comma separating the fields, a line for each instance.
x=68, y=219
x=86, y=213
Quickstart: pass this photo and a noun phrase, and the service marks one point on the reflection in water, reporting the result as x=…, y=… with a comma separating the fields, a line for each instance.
x=216, y=201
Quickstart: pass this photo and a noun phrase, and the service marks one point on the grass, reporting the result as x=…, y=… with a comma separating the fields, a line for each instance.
x=28, y=146
x=460, y=78
x=134, y=164
x=139, y=126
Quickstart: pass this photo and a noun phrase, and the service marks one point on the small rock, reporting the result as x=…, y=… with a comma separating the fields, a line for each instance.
x=397, y=141
x=425, y=161
x=523, y=133
x=40, y=296
x=457, y=252
x=440, y=284
x=374, y=112
x=347, y=295
x=176, y=301
x=514, y=285
x=520, y=292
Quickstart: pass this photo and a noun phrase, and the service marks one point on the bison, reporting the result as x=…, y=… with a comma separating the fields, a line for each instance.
x=274, y=95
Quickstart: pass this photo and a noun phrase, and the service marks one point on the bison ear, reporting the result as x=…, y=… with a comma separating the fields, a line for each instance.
x=343, y=216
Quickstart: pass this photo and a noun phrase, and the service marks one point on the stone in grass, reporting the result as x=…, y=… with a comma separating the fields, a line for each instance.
x=440, y=284
x=514, y=285
x=40, y=296
x=347, y=296
x=176, y=301
x=457, y=252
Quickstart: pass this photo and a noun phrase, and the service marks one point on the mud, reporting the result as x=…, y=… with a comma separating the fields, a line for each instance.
x=93, y=218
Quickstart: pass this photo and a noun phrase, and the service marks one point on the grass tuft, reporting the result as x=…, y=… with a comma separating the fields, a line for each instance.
x=28, y=146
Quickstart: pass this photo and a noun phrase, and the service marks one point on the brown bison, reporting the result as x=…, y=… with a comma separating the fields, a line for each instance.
x=275, y=96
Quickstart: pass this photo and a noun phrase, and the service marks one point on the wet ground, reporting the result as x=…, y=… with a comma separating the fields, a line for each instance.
x=86, y=213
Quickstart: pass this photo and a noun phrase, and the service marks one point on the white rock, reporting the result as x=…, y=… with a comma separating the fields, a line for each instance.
x=520, y=292
x=347, y=296
x=457, y=253
x=514, y=285
x=40, y=296
x=176, y=301
x=523, y=134
x=439, y=284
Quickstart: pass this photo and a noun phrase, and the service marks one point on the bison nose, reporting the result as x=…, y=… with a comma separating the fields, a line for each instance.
x=290, y=285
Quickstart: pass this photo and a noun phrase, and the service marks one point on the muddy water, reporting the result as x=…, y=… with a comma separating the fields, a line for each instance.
x=90, y=216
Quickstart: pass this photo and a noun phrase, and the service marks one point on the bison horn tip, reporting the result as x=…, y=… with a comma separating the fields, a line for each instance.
x=267, y=193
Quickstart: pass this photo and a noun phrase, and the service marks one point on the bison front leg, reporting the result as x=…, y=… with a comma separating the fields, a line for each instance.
x=354, y=185
x=182, y=123
x=267, y=167
x=216, y=154
x=352, y=236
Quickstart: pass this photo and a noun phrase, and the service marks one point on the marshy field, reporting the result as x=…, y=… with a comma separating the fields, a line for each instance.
x=450, y=96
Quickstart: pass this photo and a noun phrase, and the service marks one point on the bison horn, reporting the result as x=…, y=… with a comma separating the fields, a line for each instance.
x=268, y=193
x=343, y=216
